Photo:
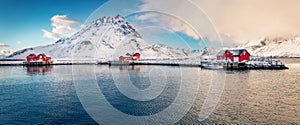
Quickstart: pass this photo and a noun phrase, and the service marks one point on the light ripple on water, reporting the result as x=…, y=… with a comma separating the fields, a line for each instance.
x=256, y=96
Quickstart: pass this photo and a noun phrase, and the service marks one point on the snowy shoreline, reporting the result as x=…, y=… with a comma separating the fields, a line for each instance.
x=15, y=62
x=254, y=64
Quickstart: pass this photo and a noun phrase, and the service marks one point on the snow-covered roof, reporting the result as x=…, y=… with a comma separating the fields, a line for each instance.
x=221, y=53
x=235, y=52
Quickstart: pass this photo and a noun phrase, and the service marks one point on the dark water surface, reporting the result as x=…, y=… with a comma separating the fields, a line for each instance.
x=48, y=95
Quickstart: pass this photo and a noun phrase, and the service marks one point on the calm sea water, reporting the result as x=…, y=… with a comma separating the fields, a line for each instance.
x=88, y=94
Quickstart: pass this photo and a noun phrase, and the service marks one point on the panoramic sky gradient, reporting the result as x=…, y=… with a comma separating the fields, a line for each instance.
x=28, y=23
x=22, y=22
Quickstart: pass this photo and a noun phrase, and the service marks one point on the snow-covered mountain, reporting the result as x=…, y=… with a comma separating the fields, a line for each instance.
x=279, y=46
x=106, y=38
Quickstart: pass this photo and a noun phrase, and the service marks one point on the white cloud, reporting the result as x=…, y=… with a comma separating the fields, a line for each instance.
x=176, y=25
x=239, y=20
x=3, y=45
x=184, y=17
x=50, y=35
x=62, y=26
x=248, y=20
x=6, y=52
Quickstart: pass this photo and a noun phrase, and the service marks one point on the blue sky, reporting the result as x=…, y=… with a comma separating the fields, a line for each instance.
x=21, y=21
x=24, y=22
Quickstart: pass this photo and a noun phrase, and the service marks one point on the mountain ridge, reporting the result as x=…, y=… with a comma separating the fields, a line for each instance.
x=106, y=38
x=276, y=46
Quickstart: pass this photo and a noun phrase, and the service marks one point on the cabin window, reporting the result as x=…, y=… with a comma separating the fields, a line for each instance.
x=236, y=59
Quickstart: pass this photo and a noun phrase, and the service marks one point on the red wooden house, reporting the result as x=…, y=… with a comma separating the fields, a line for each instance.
x=238, y=55
x=31, y=57
x=122, y=58
x=43, y=58
x=134, y=57
x=38, y=60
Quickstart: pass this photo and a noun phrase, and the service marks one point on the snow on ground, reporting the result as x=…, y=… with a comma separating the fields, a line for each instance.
x=173, y=61
x=11, y=62
x=274, y=47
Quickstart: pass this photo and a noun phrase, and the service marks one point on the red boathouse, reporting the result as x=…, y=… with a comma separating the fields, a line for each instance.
x=134, y=57
x=43, y=57
x=237, y=56
x=31, y=57
x=40, y=59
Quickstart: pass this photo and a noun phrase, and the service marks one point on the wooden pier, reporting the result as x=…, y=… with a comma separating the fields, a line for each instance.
x=245, y=66
x=38, y=63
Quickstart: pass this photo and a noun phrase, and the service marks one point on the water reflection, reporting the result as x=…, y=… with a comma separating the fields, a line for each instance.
x=139, y=108
x=236, y=71
x=114, y=95
x=148, y=81
x=126, y=67
x=136, y=94
x=38, y=70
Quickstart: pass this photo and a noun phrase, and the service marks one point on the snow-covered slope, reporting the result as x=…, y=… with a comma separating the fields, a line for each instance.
x=275, y=47
x=4, y=53
x=106, y=38
x=163, y=51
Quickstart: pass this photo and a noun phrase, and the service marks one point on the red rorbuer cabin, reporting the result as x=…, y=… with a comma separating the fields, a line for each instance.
x=43, y=57
x=40, y=59
x=31, y=57
x=122, y=58
x=237, y=56
x=134, y=57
